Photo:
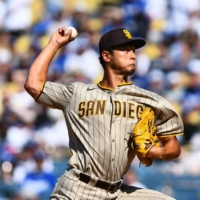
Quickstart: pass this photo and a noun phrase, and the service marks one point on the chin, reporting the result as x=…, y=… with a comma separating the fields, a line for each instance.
x=130, y=72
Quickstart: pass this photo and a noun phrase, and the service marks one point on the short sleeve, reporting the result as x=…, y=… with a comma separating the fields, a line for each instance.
x=168, y=122
x=55, y=95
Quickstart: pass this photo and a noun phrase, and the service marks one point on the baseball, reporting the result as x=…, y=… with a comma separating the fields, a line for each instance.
x=74, y=32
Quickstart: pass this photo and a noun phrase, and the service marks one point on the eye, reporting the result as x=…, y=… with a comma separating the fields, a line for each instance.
x=130, y=49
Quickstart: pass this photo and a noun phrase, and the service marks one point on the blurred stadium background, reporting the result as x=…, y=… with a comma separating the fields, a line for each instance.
x=33, y=139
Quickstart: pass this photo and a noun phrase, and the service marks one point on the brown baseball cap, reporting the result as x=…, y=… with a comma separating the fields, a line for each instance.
x=119, y=36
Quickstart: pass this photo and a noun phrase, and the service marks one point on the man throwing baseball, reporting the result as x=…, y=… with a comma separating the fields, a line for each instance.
x=109, y=123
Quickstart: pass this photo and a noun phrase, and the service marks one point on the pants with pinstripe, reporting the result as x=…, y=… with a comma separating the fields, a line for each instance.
x=69, y=187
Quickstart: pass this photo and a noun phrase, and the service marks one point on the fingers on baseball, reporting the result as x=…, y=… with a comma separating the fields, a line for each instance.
x=62, y=32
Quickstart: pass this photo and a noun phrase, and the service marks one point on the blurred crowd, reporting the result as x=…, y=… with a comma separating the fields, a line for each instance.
x=33, y=138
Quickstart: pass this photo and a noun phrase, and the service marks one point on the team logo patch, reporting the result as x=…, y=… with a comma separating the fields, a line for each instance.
x=127, y=34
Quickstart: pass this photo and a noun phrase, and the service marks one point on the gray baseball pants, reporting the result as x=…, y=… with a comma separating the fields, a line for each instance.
x=69, y=187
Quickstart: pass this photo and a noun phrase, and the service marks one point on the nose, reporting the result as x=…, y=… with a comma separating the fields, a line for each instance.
x=132, y=54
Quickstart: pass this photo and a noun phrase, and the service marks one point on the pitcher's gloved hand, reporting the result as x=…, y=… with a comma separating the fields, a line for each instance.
x=144, y=137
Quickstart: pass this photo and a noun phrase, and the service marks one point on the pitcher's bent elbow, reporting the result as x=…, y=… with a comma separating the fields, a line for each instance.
x=32, y=89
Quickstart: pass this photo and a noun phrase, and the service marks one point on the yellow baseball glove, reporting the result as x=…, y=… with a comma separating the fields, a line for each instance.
x=143, y=135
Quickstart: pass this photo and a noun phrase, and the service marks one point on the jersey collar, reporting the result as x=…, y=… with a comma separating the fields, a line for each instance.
x=111, y=89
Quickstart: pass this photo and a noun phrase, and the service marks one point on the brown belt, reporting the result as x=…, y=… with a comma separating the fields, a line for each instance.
x=110, y=187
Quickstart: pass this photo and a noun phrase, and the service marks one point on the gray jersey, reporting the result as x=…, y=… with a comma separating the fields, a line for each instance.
x=100, y=121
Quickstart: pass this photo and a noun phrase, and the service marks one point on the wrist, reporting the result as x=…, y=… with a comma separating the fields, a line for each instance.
x=155, y=153
x=54, y=46
x=161, y=153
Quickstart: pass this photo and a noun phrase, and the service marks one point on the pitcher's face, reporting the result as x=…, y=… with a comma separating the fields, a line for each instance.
x=123, y=59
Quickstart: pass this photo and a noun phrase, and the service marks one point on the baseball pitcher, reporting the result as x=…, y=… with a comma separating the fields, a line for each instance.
x=109, y=123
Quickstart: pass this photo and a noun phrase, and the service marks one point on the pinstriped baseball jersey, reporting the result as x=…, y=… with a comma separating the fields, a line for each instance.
x=100, y=120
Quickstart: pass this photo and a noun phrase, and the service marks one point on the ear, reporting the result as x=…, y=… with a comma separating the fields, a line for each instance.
x=106, y=55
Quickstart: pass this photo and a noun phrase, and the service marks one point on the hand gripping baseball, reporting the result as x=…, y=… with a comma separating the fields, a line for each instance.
x=143, y=135
x=63, y=36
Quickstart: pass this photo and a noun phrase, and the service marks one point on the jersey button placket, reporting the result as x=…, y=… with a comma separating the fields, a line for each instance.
x=113, y=130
